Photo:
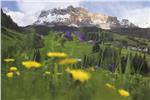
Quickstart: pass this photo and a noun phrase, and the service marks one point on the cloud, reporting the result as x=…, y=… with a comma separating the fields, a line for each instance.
x=30, y=9
x=140, y=17
x=135, y=11
x=20, y=18
x=32, y=6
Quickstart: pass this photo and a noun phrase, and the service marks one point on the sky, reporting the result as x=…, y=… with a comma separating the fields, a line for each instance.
x=25, y=12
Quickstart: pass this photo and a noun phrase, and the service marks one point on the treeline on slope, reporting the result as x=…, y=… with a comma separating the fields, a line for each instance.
x=132, y=32
x=111, y=58
x=43, y=29
x=135, y=32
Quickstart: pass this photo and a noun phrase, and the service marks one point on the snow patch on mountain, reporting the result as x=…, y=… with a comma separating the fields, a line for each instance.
x=80, y=17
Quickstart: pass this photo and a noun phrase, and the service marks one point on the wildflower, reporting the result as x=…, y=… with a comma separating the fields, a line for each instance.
x=31, y=64
x=111, y=67
x=17, y=73
x=10, y=74
x=9, y=60
x=80, y=75
x=123, y=92
x=56, y=54
x=47, y=73
x=68, y=61
x=110, y=86
x=82, y=37
x=68, y=34
x=13, y=69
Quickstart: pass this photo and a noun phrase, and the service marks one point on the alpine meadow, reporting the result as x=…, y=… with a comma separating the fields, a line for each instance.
x=75, y=50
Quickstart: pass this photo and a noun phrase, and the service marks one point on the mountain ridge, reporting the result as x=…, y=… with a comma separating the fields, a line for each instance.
x=132, y=31
x=6, y=21
x=80, y=17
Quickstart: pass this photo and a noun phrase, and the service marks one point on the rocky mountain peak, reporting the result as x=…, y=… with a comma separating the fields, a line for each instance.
x=126, y=23
x=79, y=17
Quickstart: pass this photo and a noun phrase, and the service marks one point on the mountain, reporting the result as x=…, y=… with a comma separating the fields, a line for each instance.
x=56, y=20
x=80, y=17
x=14, y=39
x=6, y=21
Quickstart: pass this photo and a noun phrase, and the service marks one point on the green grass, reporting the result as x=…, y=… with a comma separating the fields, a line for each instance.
x=33, y=85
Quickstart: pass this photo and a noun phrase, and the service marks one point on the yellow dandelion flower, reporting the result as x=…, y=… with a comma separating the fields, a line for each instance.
x=68, y=61
x=10, y=74
x=9, y=60
x=31, y=64
x=17, y=73
x=123, y=93
x=47, y=73
x=13, y=68
x=80, y=75
x=56, y=54
x=110, y=86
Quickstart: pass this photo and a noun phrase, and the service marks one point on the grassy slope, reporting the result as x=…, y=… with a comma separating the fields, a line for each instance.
x=73, y=48
x=78, y=49
x=32, y=86
x=10, y=40
x=118, y=38
x=32, y=81
x=15, y=42
x=14, y=38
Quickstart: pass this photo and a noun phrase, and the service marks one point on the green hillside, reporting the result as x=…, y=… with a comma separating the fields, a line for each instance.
x=64, y=65
x=14, y=42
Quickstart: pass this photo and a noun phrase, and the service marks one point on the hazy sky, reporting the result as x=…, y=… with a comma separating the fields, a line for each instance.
x=25, y=12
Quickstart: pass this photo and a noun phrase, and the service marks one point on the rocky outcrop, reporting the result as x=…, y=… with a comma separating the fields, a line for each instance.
x=79, y=17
